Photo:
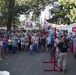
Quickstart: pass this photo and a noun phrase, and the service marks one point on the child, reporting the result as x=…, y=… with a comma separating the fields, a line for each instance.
x=31, y=49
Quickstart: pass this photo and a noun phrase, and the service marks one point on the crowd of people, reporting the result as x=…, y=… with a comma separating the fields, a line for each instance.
x=35, y=41
x=29, y=41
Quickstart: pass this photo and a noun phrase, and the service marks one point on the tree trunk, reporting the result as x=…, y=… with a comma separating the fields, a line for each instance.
x=10, y=14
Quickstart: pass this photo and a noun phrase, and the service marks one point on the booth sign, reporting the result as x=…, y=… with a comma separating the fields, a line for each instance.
x=74, y=29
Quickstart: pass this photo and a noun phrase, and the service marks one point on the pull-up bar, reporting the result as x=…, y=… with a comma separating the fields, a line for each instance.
x=53, y=57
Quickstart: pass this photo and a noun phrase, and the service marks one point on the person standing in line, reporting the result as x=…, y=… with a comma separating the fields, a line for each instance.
x=4, y=45
x=43, y=43
x=10, y=43
x=56, y=41
x=62, y=59
x=48, y=42
x=22, y=39
x=74, y=43
x=14, y=45
x=1, y=48
x=26, y=44
x=31, y=48
x=19, y=44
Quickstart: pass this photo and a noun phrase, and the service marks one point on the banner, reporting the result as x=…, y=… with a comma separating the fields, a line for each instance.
x=74, y=29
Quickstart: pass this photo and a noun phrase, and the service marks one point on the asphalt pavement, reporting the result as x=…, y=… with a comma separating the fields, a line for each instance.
x=22, y=63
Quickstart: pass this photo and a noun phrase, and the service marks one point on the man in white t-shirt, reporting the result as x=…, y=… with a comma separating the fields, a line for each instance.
x=48, y=42
x=22, y=39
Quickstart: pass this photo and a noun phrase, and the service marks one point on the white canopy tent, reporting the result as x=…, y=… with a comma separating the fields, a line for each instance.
x=69, y=27
x=3, y=28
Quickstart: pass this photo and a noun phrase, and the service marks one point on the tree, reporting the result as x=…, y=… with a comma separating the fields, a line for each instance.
x=64, y=12
x=11, y=9
x=70, y=6
x=33, y=5
x=6, y=9
x=3, y=11
x=10, y=19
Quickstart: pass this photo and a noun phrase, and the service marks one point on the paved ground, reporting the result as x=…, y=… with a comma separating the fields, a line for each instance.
x=24, y=64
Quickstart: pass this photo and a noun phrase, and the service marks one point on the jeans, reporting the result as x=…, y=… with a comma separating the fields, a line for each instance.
x=35, y=48
x=14, y=49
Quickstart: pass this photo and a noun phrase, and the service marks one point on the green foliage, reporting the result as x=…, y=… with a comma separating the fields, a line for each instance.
x=3, y=11
x=10, y=10
x=70, y=6
x=65, y=13
x=33, y=5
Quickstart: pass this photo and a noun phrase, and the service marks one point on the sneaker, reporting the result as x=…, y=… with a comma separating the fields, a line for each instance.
x=59, y=69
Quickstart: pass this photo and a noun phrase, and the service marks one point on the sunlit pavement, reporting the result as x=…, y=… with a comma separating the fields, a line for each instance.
x=24, y=64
